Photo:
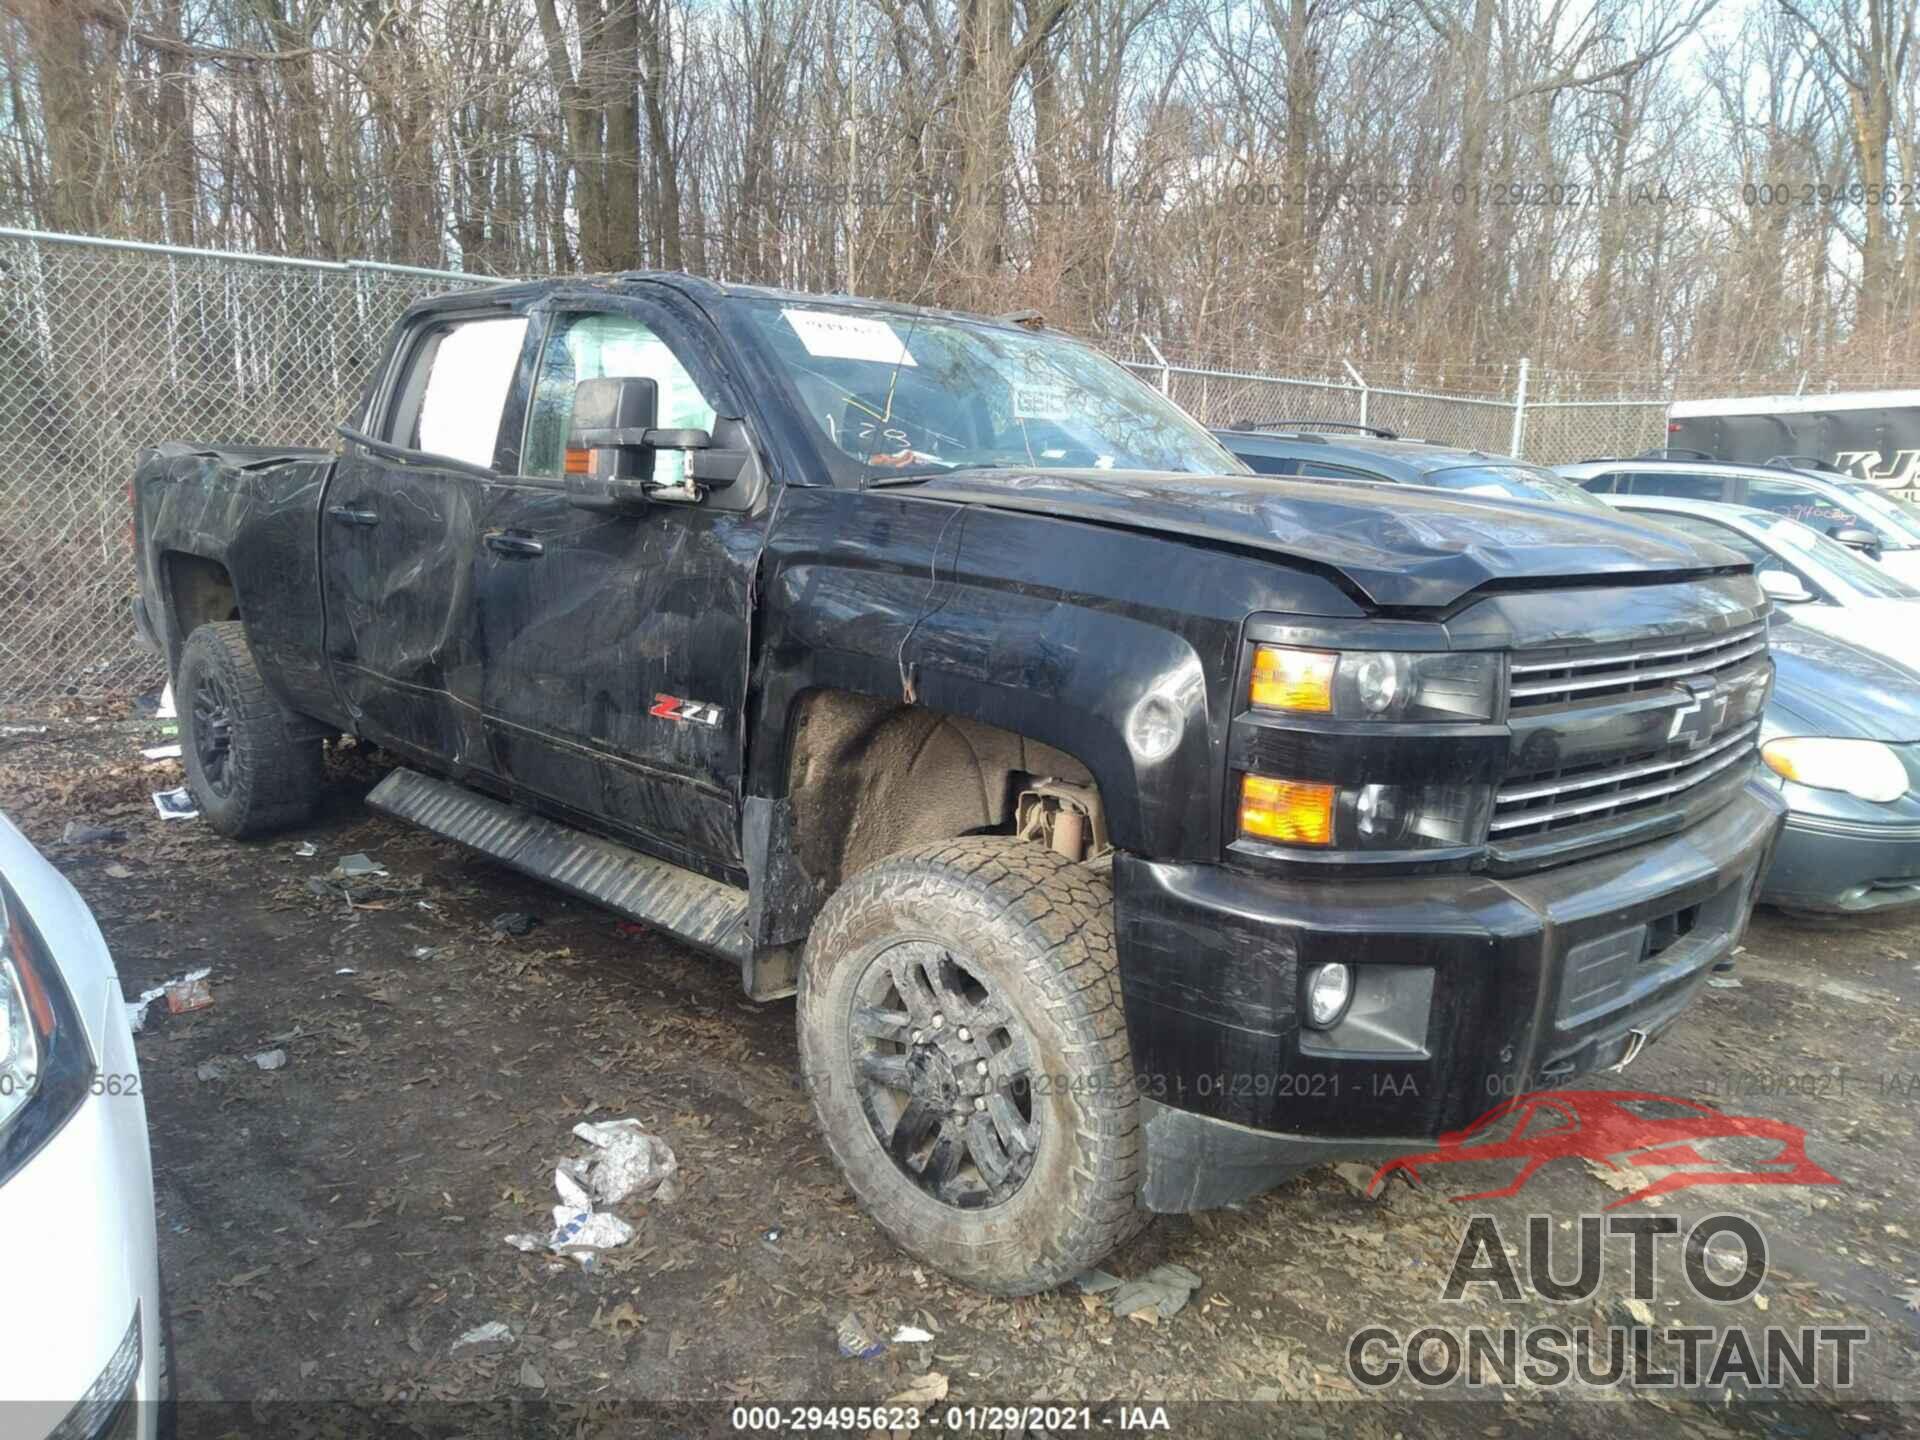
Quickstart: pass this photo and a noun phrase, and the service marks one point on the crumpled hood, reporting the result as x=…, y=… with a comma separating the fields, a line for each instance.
x=1830, y=686
x=1400, y=545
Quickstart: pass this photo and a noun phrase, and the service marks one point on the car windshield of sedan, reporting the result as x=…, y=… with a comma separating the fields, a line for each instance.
x=918, y=395
x=1796, y=541
x=1515, y=482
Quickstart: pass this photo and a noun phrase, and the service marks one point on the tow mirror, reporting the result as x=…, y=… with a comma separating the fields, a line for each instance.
x=1784, y=587
x=612, y=441
x=1856, y=537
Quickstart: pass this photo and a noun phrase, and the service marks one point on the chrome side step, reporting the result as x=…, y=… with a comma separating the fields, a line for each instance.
x=702, y=912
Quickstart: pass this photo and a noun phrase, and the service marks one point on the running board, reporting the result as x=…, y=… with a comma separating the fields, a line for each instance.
x=706, y=913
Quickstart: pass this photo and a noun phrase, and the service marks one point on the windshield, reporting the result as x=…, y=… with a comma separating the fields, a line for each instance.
x=895, y=395
x=1515, y=482
x=1895, y=515
x=1802, y=543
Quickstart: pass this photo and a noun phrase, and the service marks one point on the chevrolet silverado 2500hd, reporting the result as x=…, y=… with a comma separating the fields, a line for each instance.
x=1134, y=830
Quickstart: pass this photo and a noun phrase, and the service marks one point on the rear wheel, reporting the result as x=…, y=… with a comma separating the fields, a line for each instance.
x=247, y=772
x=962, y=1036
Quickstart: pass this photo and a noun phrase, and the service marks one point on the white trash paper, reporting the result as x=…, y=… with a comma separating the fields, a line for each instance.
x=626, y=1164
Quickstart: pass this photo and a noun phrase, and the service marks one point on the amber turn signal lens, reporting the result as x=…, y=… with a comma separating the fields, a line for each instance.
x=1288, y=812
x=579, y=462
x=1293, y=679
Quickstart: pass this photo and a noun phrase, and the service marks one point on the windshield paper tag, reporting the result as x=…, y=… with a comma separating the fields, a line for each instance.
x=848, y=337
x=1042, y=402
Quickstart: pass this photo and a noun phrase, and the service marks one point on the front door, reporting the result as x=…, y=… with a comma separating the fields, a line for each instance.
x=398, y=524
x=613, y=647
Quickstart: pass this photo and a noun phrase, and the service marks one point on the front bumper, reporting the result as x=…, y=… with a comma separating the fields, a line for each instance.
x=1844, y=866
x=1513, y=984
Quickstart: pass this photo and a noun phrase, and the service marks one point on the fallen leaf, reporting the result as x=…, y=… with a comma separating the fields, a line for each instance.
x=926, y=1390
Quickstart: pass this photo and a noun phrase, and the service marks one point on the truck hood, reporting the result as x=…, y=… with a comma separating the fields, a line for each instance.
x=1398, y=545
x=1826, y=685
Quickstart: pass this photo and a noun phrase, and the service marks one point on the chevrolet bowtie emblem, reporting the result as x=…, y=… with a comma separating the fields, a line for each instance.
x=1695, y=722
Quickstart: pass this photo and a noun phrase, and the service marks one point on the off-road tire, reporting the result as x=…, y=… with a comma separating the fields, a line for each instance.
x=1038, y=930
x=270, y=778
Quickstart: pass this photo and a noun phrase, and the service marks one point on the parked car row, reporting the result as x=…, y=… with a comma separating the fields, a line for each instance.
x=1841, y=733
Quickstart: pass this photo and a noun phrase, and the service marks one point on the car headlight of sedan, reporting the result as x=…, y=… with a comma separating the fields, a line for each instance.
x=1378, y=684
x=45, y=1064
x=1865, y=769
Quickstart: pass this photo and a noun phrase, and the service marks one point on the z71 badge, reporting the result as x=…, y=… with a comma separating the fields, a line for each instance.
x=689, y=712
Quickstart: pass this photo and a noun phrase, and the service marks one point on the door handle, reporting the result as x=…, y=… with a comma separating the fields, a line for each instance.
x=508, y=543
x=347, y=515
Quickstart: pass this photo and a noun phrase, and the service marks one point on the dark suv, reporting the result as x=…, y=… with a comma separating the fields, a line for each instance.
x=1369, y=454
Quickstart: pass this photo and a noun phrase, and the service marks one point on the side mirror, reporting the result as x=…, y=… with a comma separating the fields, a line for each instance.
x=1784, y=587
x=1855, y=537
x=612, y=441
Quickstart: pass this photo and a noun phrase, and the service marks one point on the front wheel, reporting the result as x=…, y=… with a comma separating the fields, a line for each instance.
x=962, y=1035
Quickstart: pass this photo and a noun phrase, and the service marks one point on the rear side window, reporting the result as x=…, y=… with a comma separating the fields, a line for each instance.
x=1324, y=471
x=1268, y=464
x=1600, y=484
x=455, y=388
x=1682, y=487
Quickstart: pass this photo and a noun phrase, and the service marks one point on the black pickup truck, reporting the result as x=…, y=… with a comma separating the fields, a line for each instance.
x=1135, y=830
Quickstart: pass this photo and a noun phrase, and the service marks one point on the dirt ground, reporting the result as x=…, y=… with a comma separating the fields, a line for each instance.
x=330, y=1228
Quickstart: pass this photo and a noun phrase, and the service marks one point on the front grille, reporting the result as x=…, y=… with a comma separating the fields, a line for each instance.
x=1547, y=679
x=1636, y=782
x=1608, y=742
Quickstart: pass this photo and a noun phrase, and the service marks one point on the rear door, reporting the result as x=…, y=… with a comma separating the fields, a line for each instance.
x=613, y=647
x=398, y=524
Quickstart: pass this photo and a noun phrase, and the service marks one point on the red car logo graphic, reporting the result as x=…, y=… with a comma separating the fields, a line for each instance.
x=1617, y=1128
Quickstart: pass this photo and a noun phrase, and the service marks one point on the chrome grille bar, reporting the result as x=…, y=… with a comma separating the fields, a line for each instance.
x=1619, y=799
x=1625, y=658
x=1626, y=676
x=1520, y=794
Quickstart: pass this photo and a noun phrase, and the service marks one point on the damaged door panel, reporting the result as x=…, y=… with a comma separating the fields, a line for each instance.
x=613, y=644
x=398, y=524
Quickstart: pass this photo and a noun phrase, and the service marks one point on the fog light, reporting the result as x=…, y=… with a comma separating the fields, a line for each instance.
x=1329, y=989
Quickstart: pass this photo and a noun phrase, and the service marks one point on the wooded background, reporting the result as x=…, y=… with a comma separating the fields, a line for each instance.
x=1631, y=192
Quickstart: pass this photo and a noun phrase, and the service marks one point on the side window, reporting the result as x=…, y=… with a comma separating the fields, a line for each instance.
x=1324, y=471
x=1799, y=502
x=594, y=347
x=1270, y=464
x=455, y=388
x=1602, y=484
x=1682, y=487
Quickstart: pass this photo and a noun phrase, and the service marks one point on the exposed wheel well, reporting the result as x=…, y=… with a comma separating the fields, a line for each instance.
x=870, y=777
x=199, y=592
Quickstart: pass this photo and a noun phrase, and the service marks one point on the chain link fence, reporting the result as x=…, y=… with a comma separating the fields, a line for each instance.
x=107, y=346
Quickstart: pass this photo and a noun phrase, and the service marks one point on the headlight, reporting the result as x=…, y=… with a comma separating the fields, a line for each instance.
x=1863, y=768
x=1377, y=684
x=1362, y=817
x=45, y=1067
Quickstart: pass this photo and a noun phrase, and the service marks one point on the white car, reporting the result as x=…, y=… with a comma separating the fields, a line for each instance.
x=1818, y=582
x=81, y=1332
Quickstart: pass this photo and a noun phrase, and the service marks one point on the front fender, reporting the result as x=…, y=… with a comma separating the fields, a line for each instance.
x=1053, y=629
